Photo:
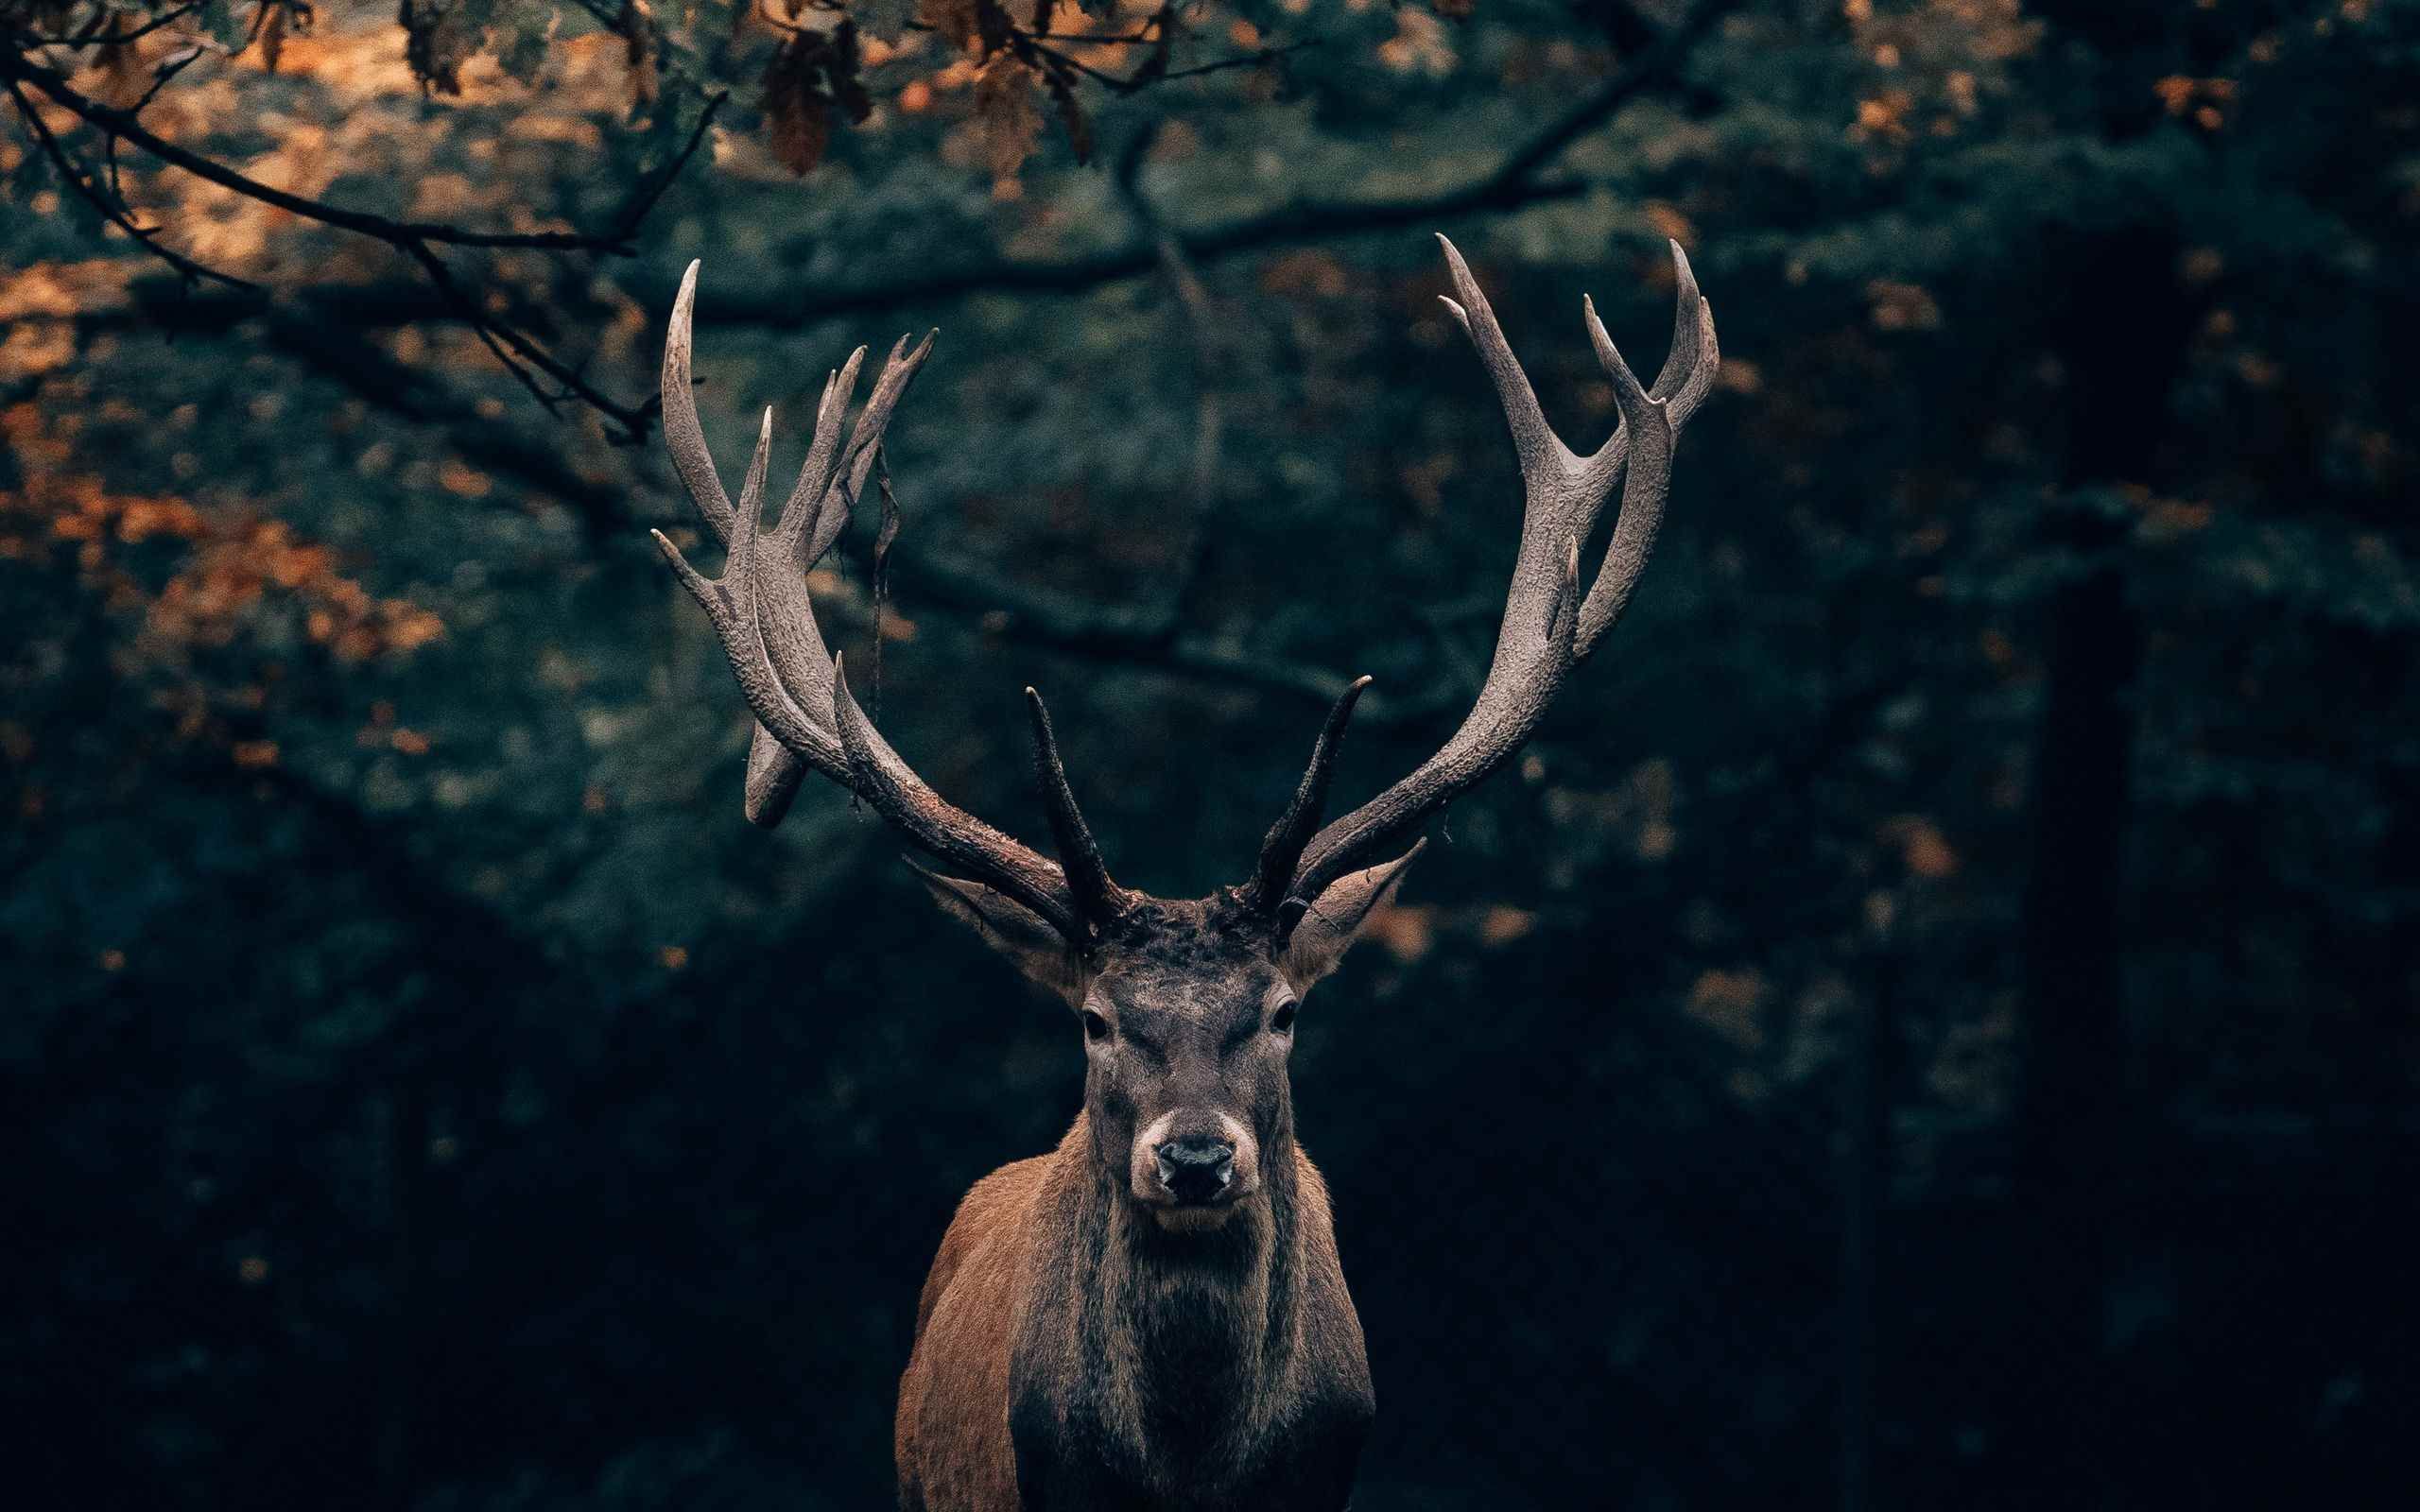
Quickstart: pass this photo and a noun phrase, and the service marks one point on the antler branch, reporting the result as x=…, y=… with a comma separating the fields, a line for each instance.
x=765, y=619
x=1547, y=627
x=1283, y=847
x=1098, y=898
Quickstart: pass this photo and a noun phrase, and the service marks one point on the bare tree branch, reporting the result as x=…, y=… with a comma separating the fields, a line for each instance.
x=1510, y=184
x=88, y=188
x=1202, y=340
x=123, y=124
x=519, y=352
x=1033, y=44
x=92, y=36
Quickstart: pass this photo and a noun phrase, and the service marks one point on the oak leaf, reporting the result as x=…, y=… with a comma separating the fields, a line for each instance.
x=810, y=77
x=1011, y=116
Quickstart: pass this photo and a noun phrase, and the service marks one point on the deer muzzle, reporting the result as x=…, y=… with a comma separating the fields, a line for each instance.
x=1196, y=1170
x=1201, y=1162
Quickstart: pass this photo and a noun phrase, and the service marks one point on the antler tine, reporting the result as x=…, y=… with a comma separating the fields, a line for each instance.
x=803, y=512
x=1641, y=447
x=1647, y=478
x=1695, y=352
x=793, y=644
x=812, y=521
x=751, y=488
x=949, y=834
x=865, y=440
x=682, y=436
x=1547, y=627
x=1686, y=378
x=1533, y=440
x=1099, y=899
x=1283, y=845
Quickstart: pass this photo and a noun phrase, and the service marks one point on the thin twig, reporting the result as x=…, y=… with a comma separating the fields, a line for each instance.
x=514, y=348
x=92, y=37
x=396, y=232
x=643, y=205
x=519, y=354
x=1144, y=77
x=188, y=268
x=1203, y=343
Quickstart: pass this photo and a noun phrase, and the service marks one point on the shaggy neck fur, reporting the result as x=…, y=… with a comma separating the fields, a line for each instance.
x=1193, y=1333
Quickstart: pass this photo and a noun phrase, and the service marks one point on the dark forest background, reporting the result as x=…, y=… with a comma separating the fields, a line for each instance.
x=1930, y=1022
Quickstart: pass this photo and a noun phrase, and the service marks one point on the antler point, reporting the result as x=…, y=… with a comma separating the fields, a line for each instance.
x=1462, y=270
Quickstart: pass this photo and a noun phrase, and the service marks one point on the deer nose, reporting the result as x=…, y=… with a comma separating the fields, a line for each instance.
x=1196, y=1169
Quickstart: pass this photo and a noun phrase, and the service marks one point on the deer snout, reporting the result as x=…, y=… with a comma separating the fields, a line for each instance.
x=1198, y=1168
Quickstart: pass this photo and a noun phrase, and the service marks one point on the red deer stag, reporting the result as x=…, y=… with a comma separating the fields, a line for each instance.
x=1152, y=1315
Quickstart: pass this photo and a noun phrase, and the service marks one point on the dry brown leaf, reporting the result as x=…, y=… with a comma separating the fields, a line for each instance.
x=439, y=38
x=1006, y=105
x=639, y=57
x=797, y=126
x=960, y=21
x=272, y=33
x=813, y=74
x=123, y=78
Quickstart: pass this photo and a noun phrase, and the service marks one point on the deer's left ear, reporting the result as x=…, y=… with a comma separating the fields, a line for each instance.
x=1328, y=928
x=1035, y=948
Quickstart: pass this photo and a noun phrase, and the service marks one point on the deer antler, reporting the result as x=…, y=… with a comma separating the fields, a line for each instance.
x=1547, y=627
x=805, y=715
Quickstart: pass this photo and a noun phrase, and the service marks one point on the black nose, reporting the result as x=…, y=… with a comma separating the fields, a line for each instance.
x=1196, y=1170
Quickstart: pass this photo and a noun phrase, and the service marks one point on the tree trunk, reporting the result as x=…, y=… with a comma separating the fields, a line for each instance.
x=2121, y=337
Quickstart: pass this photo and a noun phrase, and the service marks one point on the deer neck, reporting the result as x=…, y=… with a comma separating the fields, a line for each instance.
x=1193, y=1334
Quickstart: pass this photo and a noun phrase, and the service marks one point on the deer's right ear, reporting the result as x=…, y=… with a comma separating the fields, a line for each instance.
x=1329, y=926
x=1028, y=939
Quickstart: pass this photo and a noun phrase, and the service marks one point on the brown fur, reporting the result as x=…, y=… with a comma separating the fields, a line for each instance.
x=1090, y=1337
x=1147, y=1374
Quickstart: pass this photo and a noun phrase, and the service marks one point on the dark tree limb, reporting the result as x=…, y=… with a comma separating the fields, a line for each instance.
x=1514, y=183
x=88, y=189
x=92, y=36
x=1511, y=184
x=123, y=124
x=520, y=353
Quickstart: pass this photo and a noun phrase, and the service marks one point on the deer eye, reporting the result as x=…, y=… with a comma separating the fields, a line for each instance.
x=1095, y=1028
x=1282, y=1019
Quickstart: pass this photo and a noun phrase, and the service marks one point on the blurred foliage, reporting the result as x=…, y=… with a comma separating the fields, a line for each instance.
x=426, y=1090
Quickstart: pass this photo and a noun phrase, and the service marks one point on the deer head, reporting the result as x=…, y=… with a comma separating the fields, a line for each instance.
x=1187, y=1007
